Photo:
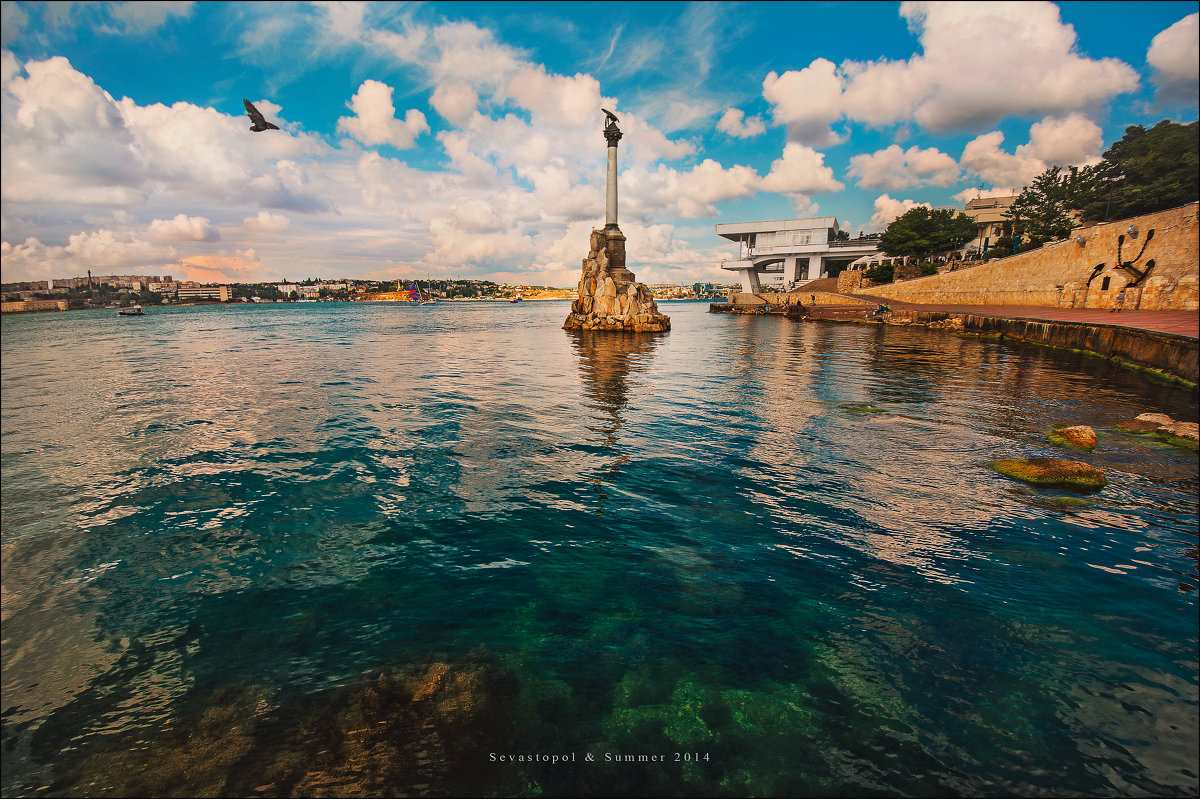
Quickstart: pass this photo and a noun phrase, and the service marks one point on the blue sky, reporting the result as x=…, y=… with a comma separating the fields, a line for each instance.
x=464, y=139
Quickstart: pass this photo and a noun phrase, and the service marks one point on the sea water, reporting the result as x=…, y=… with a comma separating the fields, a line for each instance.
x=331, y=549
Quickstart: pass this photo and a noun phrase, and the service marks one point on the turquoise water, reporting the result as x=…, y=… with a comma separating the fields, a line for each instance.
x=369, y=549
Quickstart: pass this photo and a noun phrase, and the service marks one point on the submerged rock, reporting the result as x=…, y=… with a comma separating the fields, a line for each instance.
x=860, y=408
x=1077, y=437
x=1052, y=472
x=1161, y=426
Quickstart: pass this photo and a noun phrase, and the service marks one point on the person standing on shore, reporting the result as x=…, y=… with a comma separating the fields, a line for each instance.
x=1119, y=302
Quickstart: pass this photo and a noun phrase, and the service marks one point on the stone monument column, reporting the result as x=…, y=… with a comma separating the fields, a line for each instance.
x=613, y=135
x=610, y=298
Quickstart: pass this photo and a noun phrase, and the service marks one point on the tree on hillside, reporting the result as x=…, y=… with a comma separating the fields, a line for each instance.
x=1147, y=171
x=921, y=232
x=1041, y=211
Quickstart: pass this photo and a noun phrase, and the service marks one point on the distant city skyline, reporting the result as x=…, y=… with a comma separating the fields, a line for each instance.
x=463, y=140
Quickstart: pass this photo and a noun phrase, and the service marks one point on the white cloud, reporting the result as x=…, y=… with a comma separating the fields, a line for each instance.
x=1175, y=56
x=975, y=193
x=65, y=139
x=808, y=101
x=456, y=102
x=688, y=194
x=147, y=15
x=800, y=170
x=102, y=251
x=555, y=100
x=1073, y=141
x=735, y=123
x=183, y=228
x=979, y=62
x=374, y=121
x=894, y=168
x=888, y=210
x=266, y=223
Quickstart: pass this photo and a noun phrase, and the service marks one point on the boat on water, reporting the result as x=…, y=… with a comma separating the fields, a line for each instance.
x=133, y=310
x=415, y=294
x=516, y=298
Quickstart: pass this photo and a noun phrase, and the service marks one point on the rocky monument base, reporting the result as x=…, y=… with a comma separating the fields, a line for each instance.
x=610, y=298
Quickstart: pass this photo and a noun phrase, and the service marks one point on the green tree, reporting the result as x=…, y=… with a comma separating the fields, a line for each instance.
x=921, y=232
x=1147, y=171
x=1041, y=211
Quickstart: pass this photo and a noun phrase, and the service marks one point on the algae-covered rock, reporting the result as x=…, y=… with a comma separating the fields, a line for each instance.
x=1052, y=472
x=1076, y=437
x=1181, y=434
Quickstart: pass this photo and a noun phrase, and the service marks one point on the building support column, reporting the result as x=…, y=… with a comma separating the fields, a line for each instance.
x=750, y=283
x=816, y=263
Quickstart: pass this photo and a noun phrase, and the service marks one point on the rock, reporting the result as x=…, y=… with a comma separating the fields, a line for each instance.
x=1160, y=418
x=1181, y=434
x=1077, y=437
x=1052, y=472
x=610, y=298
x=1137, y=426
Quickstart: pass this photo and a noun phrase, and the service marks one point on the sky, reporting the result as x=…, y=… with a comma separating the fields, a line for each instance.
x=464, y=140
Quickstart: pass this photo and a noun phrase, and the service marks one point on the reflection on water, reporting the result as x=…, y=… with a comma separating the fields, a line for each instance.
x=357, y=550
x=606, y=362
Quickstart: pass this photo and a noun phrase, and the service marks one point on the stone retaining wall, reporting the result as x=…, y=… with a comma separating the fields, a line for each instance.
x=1166, y=352
x=1070, y=274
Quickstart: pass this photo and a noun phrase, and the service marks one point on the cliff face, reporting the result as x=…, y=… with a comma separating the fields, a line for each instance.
x=610, y=298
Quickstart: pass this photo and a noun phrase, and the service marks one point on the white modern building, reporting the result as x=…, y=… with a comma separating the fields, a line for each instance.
x=204, y=293
x=784, y=253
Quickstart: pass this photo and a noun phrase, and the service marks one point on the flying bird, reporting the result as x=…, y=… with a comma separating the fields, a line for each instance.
x=260, y=122
x=610, y=115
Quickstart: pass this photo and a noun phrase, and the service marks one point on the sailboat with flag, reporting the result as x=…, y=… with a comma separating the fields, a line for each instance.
x=414, y=294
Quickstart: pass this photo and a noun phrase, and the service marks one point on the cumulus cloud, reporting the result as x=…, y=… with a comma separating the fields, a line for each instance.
x=456, y=102
x=800, y=170
x=687, y=194
x=183, y=228
x=808, y=101
x=894, y=168
x=266, y=222
x=99, y=250
x=888, y=210
x=735, y=123
x=65, y=139
x=1073, y=141
x=374, y=121
x=976, y=193
x=1175, y=56
x=979, y=62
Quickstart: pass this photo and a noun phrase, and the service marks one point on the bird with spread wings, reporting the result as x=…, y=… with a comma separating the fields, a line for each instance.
x=260, y=122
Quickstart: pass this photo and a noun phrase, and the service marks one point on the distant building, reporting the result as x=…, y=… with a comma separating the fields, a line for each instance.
x=33, y=305
x=786, y=253
x=991, y=217
x=204, y=293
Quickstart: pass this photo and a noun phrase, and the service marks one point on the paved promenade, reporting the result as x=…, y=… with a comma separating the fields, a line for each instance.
x=1183, y=323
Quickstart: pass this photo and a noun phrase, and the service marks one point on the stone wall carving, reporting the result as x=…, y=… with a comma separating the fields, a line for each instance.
x=1159, y=269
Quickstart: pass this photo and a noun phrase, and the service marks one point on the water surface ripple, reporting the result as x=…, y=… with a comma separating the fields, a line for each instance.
x=334, y=548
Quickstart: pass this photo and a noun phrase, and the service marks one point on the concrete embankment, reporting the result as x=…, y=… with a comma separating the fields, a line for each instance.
x=1170, y=354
